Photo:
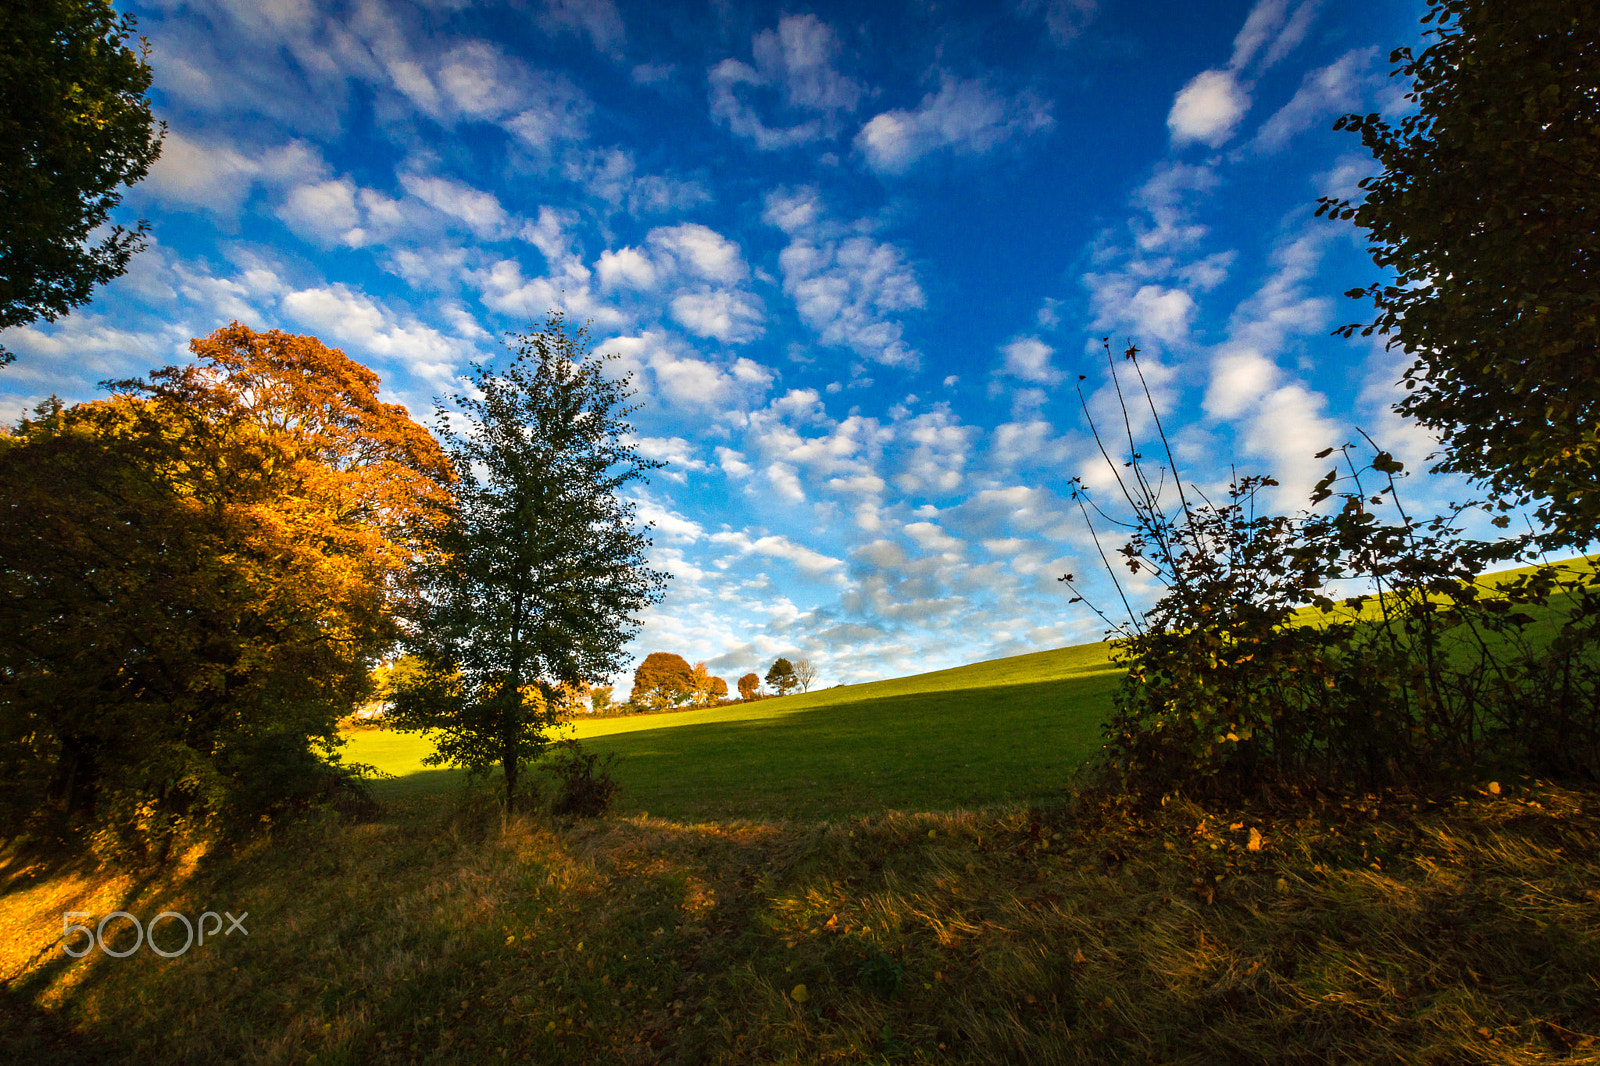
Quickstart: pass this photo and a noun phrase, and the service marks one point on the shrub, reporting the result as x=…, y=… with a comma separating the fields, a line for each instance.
x=1246, y=676
x=585, y=787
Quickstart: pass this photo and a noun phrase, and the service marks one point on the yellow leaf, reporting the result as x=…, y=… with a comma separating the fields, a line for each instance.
x=799, y=994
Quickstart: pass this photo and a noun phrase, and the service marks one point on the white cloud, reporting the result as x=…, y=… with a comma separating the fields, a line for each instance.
x=796, y=62
x=481, y=211
x=216, y=176
x=808, y=561
x=428, y=268
x=676, y=452
x=475, y=81
x=1207, y=109
x=1343, y=181
x=1259, y=27
x=626, y=268
x=355, y=320
x=58, y=358
x=1149, y=311
x=701, y=252
x=325, y=212
x=702, y=271
x=798, y=212
x=967, y=117
x=937, y=461
x=558, y=112
x=675, y=253
x=1161, y=313
x=1167, y=197
x=1032, y=444
x=844, y=289
x=611, y=176
x=799, y=56
x=733, y=463
x=598, y=19
x=550, y=234
x=1064, y=20
x=1240, y=377
x=669, y=524
x=931, y=538
x=1273, y=417
x=652, y=73
x=685, y=380
x=1329, y=91
x=730, y=317
x=1265, y=28
x=1028, y=358
x=502, y=287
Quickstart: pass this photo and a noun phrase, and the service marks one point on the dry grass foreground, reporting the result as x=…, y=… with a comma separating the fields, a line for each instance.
x=1390, y=929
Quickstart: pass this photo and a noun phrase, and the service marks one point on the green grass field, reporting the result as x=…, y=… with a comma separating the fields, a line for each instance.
x=1007, y=730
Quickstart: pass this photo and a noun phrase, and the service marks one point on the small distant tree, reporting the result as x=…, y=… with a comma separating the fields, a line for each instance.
x=749, y=685
x=700, y=684
x=570, y=698
x=781, y=676
x=805, y=673
x=537, y=579
x=600, y=699
x=707, y=689
x=664, y=679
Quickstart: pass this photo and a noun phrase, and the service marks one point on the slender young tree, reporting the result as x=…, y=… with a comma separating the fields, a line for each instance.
x=538, y=578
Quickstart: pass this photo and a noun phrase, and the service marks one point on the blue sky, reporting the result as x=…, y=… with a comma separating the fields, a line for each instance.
x=854, y=254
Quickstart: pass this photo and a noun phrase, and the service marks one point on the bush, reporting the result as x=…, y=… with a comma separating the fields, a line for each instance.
x=585, y=787
x=1248, y=677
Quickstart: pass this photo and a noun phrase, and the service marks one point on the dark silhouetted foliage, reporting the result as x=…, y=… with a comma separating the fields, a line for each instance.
x=1487, y=214
x=75, y=126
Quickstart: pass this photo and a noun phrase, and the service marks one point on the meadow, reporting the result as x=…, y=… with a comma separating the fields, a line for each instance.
x=880, y=873
x=1006, y=731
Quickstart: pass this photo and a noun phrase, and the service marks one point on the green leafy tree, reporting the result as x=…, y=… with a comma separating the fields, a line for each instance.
x=782, y=677
x=75, y=126
x=600, y=699
x=537, y=578
x=1488, y=216
x=664, y=679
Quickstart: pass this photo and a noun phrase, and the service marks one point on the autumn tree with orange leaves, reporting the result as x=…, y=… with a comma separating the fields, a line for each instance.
x=196, y=576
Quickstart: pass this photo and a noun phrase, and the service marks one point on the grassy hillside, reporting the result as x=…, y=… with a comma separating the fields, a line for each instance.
x=1395, y=928
x=1005, y=730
